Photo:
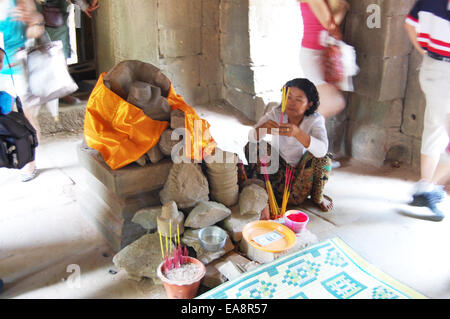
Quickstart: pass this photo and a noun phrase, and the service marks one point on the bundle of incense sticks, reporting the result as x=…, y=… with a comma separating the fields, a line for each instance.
x=283, y=102
x=274, y=209
x=173, y=258
x=289, y=177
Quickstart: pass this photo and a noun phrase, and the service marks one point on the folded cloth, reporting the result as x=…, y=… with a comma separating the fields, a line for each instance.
x=122, y=133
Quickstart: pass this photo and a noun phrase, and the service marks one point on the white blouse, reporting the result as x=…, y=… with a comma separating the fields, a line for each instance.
x=291, y=150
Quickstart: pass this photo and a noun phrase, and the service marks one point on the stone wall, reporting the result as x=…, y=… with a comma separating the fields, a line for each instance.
x=243, y=51
x=259, y=51
x=386, y=110
x=181, y=37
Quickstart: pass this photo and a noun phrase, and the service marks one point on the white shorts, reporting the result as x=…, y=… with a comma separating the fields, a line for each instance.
x=20, y=88
x=311, y=63
x=436, y=87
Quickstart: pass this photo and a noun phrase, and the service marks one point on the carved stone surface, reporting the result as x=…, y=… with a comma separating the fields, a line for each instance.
x=207, y=214
x=146, y=217
x=186, y=186
x=140, y=258
x=166, y=143
x=252, y=199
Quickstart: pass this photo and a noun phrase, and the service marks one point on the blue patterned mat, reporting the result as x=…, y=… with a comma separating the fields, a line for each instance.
x=328, y=270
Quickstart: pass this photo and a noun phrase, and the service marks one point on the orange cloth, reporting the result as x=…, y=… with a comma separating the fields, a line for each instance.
x=122, y=132
x=201, y=142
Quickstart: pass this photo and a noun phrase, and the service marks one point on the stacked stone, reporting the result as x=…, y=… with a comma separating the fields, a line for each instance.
x=386, y=98
x=223, y=178
x=110, y=198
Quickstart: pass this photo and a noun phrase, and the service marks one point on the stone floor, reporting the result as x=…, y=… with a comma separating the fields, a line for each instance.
x=45, y=241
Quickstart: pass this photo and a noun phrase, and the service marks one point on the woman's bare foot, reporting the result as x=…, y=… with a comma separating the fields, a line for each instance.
x=326, y=204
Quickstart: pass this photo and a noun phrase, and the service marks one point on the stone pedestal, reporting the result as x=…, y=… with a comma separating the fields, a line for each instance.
x=110, y=198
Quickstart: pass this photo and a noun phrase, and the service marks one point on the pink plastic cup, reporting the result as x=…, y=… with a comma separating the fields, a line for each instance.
x=296, y=220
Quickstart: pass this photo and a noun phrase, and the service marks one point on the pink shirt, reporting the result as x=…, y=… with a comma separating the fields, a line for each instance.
x=311, y=28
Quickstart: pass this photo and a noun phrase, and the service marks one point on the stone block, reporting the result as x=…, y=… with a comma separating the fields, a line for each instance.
x=366, y=111
x=177, y=119
x=129, y=180
x=388, y=41
x=381, y=79
x=211, y=71
x=374, y=145
x=239, y=77
x=337, y=132
x=122, y=206
x=206, y=213
x=236, y=222
x=234, y=17
x=251, y=106
x=117, y=231
x=215, y=93
x=415, y=102
x=210, y=13
x=184, y=72
x=181, y=42
x=235, y=48
x=141, y=258
x=185, y=185
x=173, y=14
x=129, y=21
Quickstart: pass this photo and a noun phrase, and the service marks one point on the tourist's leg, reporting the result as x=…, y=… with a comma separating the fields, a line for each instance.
x=332, y=100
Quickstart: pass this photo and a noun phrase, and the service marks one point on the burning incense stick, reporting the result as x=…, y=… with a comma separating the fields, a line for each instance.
x=178, y=235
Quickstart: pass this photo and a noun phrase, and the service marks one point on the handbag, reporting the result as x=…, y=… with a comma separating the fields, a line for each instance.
x=53, y=16
x=47, y=73
x=18, y=138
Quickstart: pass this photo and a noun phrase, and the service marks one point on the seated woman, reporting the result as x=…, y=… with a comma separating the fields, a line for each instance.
x=302, y=143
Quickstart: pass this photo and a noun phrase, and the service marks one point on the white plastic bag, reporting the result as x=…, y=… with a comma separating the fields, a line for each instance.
x=47, y=73
x=350, y=68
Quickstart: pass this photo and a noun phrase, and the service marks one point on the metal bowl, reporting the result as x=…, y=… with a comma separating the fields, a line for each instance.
x=212, y=238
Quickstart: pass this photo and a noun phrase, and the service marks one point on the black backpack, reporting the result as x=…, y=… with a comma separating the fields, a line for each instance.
x=18, y=139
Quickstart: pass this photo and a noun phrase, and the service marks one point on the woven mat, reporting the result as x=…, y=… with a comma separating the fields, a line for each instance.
x=327, y=270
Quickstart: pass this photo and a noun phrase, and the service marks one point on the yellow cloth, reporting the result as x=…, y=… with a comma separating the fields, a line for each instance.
x=122, y=132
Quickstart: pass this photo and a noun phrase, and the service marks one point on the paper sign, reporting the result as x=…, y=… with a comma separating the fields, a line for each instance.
x=268, y=238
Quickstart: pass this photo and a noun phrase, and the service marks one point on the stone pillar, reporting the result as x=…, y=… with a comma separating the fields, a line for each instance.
x=376, y=108
x=260, y=45
x=180, y=37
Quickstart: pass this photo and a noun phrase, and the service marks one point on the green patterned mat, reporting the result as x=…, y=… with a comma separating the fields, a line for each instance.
x=328, y=270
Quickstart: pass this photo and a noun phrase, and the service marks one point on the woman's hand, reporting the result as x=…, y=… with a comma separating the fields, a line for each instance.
x=334, y=31
x=26, y=12
x=268, y=126
x=92, y=7
x=288, y=129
